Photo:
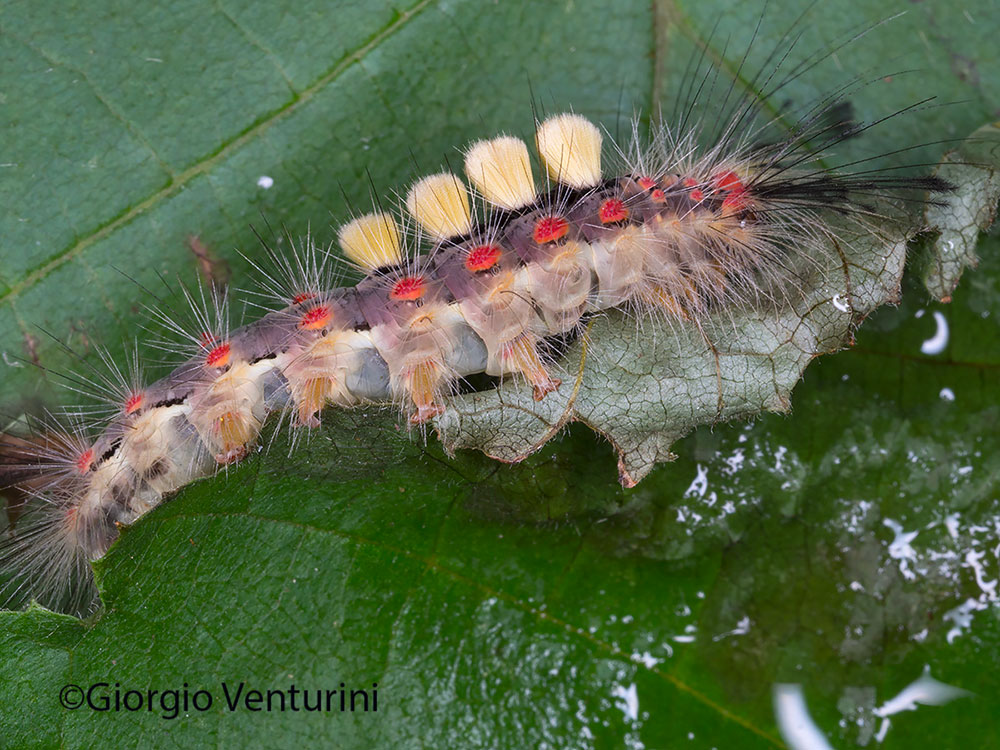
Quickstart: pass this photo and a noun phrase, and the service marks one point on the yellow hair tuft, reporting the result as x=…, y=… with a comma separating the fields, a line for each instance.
x=570, y=147
x=440, y=204
x=501, y=170
x=372, y=241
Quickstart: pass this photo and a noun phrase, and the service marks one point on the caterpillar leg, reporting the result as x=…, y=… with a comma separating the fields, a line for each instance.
x=320, y=374
x=658, y=297
x=229, y=412
x=310, y=397
x=521, y=355
x=235, y=432
x=423, y=381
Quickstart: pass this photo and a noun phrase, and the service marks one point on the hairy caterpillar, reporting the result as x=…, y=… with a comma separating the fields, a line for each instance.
x=691, y=222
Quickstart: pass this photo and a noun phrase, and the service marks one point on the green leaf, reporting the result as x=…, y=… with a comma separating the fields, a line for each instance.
x=963, y=214
x=495, y=606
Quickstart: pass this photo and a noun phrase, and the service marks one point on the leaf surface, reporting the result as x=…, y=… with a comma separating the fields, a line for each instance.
x=496, y=606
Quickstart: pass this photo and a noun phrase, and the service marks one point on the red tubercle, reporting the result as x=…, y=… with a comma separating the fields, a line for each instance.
x=612, y=211
x=656, y=193
x=736, y=192
x=727, y=181
x=219, y=356
x=408, y=288
x=85, y=460
x=651, y=186
x=550, y=229
x=736, y=200
x=133, y=403
x=316, y=317
x=298, y=298
x=206, y=339
x=482, y=258
x=696, y=193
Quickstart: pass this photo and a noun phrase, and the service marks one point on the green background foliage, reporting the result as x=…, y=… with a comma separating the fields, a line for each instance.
x=495, y=606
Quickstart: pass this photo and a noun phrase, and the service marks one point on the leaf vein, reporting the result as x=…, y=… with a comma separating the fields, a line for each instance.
x=204, y=165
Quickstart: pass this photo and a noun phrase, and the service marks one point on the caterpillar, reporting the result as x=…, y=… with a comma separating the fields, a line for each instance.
x=488, y=274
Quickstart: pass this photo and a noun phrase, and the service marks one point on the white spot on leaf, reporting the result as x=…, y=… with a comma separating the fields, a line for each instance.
x=794, y=722
x=936, y=343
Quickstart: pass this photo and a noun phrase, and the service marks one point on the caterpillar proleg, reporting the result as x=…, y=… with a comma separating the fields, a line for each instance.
x=482, y=270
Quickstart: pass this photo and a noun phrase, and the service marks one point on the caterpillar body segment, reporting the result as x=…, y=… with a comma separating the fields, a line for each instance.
x=496, y=275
